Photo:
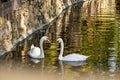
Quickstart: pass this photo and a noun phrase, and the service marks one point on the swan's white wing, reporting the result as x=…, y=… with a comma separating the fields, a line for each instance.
x=34, y=52
x=75, y=57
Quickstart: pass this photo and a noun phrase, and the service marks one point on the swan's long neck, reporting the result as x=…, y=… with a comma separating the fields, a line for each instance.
x=61, y=51
x=41, y=47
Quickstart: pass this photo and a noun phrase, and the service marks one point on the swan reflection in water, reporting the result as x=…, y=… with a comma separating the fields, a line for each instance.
x=75, y=63
x=71, y=63
x=37, y=60
x=112, y=62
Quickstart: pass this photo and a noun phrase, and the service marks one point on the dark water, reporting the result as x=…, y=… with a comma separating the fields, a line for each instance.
x=97, y=36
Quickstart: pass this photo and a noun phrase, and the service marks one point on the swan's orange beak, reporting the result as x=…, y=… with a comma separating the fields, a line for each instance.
x=48, y=40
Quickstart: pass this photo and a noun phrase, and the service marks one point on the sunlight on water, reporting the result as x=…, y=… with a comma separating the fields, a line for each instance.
x=97, y=37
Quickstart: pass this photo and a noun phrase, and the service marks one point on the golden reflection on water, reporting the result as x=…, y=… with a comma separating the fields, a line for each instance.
x=97, y=37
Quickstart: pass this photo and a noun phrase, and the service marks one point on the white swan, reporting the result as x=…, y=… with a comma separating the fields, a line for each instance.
x=70, y=57
x=37, y=52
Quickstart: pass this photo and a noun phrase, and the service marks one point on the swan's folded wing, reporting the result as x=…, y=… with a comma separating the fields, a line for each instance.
x=75, y=57
x=34, y=52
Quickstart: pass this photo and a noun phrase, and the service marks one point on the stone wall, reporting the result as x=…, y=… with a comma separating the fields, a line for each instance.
x=31, y=16
x=35, y=14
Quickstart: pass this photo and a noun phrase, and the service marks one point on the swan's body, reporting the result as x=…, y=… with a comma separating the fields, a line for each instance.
x=37, y=52
x=74, y=57
x=34, y=52
x=70, y=57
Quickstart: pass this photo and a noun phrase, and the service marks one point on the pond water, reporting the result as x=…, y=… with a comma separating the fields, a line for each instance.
x=97, y=37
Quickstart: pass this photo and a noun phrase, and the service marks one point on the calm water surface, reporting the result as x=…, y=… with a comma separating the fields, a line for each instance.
x=97, y=36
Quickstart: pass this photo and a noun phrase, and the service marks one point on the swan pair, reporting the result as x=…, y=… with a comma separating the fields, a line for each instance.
x=38, y=53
